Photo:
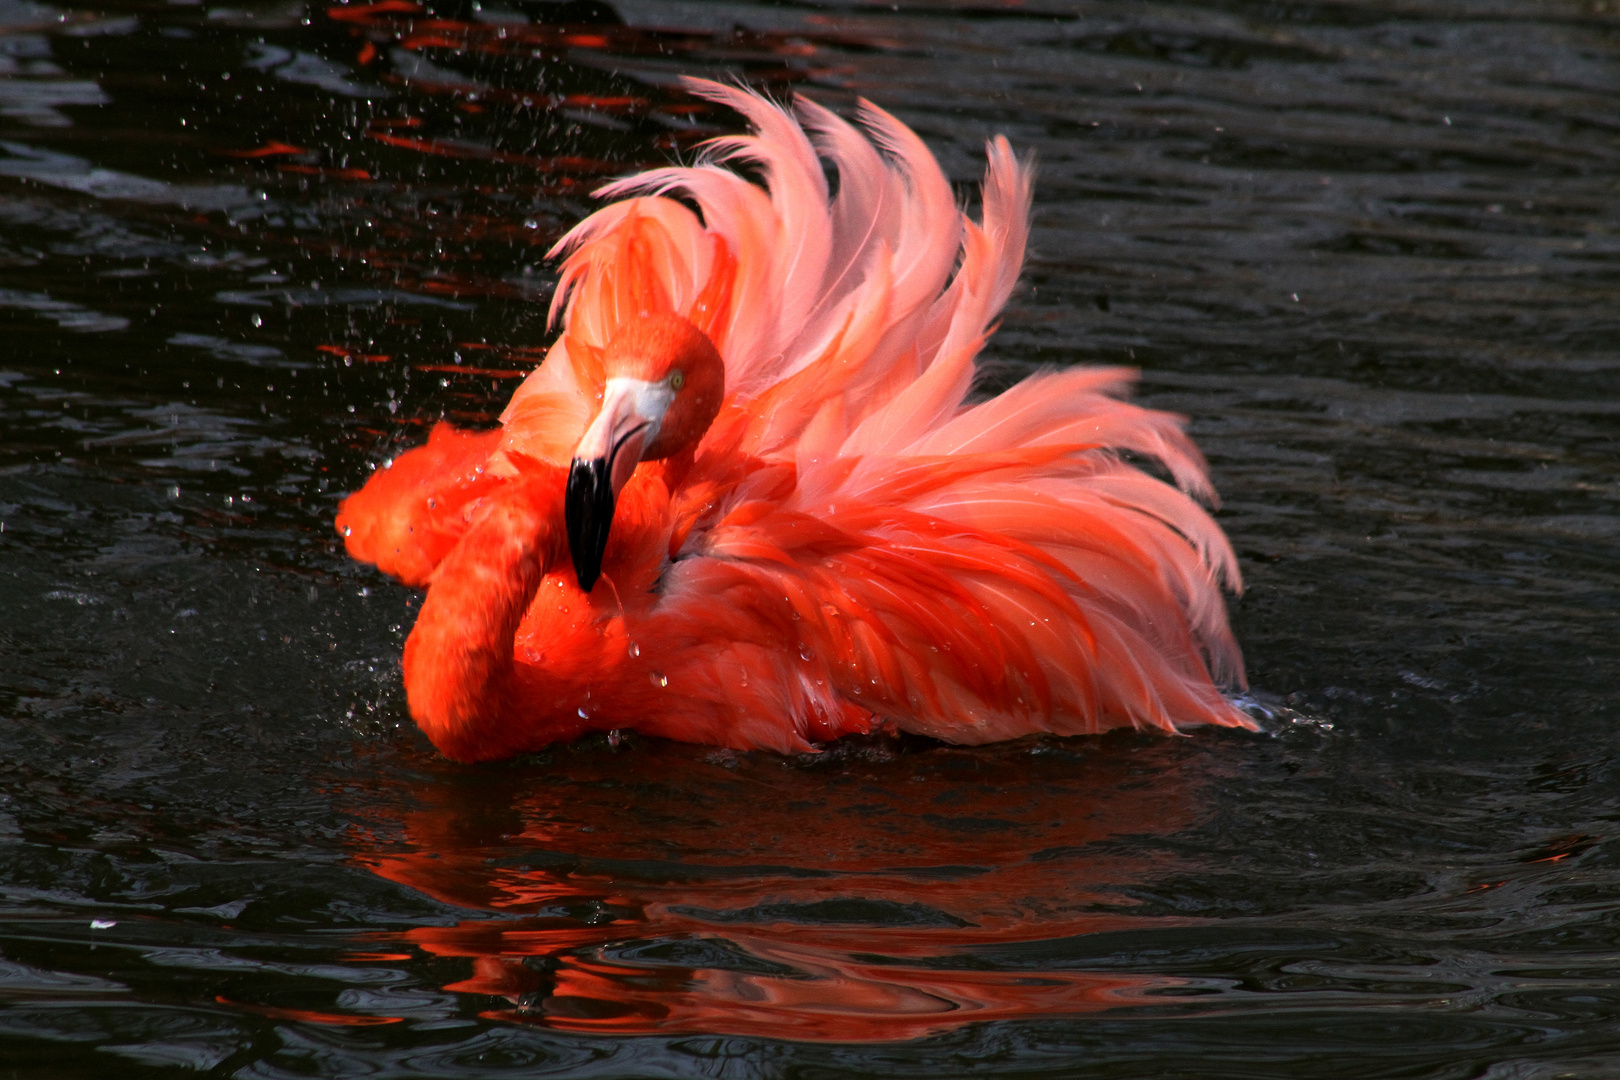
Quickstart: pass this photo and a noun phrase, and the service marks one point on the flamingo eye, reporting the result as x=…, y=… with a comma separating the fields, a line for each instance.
x=677, y=379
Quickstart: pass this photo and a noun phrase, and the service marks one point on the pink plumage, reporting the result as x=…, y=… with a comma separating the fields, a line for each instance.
x=756, y=427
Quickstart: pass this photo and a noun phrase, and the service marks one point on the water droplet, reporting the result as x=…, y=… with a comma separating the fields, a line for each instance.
x=432, y=503
x=348, y=530
x=804, y=651
x=103, y=924
x=657, y=679
x=583, y=715
x=615, y=737
x=635, y=650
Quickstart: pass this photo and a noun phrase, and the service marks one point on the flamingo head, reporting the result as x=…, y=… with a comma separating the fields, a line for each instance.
x=664, y=384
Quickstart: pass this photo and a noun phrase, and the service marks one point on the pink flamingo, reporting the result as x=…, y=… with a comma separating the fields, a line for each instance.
x=748, y=500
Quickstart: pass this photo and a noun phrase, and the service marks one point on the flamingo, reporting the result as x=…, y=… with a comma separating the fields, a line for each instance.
x=750, y=499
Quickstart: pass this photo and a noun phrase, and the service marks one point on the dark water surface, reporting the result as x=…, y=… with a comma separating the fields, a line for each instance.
x=1371, y=248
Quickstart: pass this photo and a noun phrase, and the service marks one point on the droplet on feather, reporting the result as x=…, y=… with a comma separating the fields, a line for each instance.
x=635, y=650
x=657, y=679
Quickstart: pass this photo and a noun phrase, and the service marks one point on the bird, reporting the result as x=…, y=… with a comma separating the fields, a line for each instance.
x=757, y=494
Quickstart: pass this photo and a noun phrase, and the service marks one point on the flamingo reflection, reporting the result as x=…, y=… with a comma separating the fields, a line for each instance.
x=882, y=896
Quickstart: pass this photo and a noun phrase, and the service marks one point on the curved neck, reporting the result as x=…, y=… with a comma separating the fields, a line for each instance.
x=458, y=659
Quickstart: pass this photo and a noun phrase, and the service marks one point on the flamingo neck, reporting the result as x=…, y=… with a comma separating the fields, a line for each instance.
x=459, y=676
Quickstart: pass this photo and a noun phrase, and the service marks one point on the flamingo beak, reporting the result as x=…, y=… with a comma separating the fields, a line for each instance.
x=632, y=411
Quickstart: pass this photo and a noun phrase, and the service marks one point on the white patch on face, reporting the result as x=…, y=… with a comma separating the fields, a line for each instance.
x=631, y=415
x=647, y=400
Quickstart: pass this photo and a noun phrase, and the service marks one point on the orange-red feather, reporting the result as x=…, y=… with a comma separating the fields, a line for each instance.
x=852, y=540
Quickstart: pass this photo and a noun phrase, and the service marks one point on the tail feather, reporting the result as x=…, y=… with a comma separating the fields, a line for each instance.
x=958, y=322
x=992, y=257
x=860, y=216
x=798, y=193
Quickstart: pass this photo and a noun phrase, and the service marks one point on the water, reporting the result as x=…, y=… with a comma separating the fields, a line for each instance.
x=1370, y=249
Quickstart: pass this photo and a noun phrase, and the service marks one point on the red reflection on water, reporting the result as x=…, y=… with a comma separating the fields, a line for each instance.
x=310, y=1016
x=269, y=149
x=330, y=174
x=452, y=149
x=827, y=998
x=359, y=13
x=676, y=889
x=462, y=369
x=349, y=354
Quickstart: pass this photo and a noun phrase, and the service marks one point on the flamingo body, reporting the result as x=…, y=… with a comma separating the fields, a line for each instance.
x=812, y=528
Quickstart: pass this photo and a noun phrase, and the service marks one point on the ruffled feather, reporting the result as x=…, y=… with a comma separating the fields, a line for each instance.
x=853, y=538
x=1093, y=589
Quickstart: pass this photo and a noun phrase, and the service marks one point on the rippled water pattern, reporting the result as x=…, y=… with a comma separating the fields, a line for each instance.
x=1370, y=248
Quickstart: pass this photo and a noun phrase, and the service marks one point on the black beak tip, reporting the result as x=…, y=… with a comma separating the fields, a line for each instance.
x=588, y=514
